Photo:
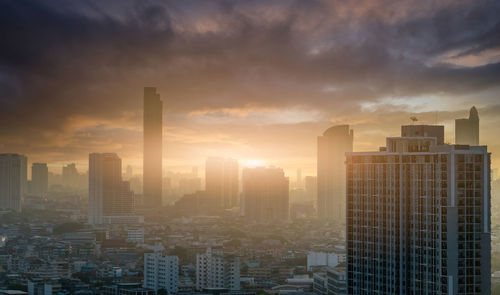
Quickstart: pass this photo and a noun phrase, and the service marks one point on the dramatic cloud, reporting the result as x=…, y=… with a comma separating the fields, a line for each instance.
x=237, y=75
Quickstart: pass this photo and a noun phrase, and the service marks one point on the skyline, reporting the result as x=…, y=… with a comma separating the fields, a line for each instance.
x=234, y=76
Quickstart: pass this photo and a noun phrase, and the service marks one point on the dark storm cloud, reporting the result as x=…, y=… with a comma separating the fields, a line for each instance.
x=62, y=61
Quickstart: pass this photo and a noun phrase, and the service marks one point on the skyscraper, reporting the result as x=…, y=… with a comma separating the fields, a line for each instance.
x=108, y=194
x=70, y=176
x=265, y=194
x=332, y=146
x=39, y=179
x=418, y=219
x=152, y=154
x=11, y=181
x=467, y=130
x=221, y=182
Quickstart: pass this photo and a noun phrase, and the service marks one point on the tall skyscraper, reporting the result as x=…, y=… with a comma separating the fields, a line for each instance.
x=70, y=176
x=265, y=194
x=11, y=176
x=467, y=130
x=152, y=154
x=332, y=146
x=221, y=182
x=39, y=179
x=109, y=196
x=418, y=219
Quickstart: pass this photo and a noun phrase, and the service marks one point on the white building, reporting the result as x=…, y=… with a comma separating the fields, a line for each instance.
x=161, y=272
x=215, y=270
x=330, y=259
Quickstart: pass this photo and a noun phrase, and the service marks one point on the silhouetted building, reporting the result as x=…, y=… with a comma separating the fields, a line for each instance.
x=467, y=130
x=70, y=175
x=418, y=219
x=332, y=146
x=110, y=199
x=11, y=176
x=39, y=179
x=221, y=182
x=311, y=185
x=265, y=194
x=152, y=154
x=436, y=131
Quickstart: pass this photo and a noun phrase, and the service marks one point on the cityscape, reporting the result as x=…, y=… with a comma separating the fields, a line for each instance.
x=249, y=148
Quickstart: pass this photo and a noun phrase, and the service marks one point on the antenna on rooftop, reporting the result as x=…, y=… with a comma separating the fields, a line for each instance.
x=413, y=119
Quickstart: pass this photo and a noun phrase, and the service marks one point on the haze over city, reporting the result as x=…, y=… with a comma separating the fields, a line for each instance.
x=252, y=80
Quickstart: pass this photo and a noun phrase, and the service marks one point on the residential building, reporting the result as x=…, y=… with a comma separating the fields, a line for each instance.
x=418, y=219
x=39, y=179
x=161, y=272
x=11, y=181
x=216, y=270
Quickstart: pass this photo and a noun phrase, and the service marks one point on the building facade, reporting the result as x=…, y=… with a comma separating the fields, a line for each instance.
x=39, y=179
x=418, y=219
x=332, y=146
x=161, y=272
x=467, y=129
x=221, y=182
x=216, y=270
x=265, y=194
x=152, y=153
x=11, y=179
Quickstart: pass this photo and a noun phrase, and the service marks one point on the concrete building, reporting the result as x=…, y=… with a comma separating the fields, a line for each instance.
x=418, y=219
x=221, y=182
x=152, y=153
x=11, y=180
x=436, y=131
x=336, y=280
x=332, y=146
x=135, y=235
x=330, y=258
x=265, y=194
x=39, y=179
x=110, y=198
x=467, y=129
x=161, y=272
x=215, y=270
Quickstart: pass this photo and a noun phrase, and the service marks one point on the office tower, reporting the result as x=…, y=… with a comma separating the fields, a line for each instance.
x=265, y=194
x=418, y=219
x=39, y=179
x=436, y=131
x=161, y=272
x=332, y=146
x=221, y=182
x=467, y=130
x=110, y=198
x=152, y=153
x=11, y=176
x=216, y=270
x=70, y=176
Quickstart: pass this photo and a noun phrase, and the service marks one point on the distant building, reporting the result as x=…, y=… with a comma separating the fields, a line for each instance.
x=110, y=199
x=265, y=194
x=330, y=258
x=70, y=176
x=152, y=153
x=467, y=130
x=127, y=289
x=161, y=272
x=221, y=182
x=311, y=186
x=135, y=235
x=332, y=146
x=39, y=179
x=215, y=270
x=336, y=280
x=418, y=219
x=11, y=179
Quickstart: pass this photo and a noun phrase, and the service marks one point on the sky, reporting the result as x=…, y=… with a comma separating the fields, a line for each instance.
x=254, y=80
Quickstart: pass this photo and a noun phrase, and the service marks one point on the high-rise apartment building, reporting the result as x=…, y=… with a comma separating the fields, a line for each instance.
x=11, y=176
x=467, y=130
x=265, y=194
x=216, y=270
x=221, y=182
x=161, y=272
x=332, y=146
x=152, y=153
x=109, y=196
x=70, y=176
x=39, y=179
x=418, y=219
